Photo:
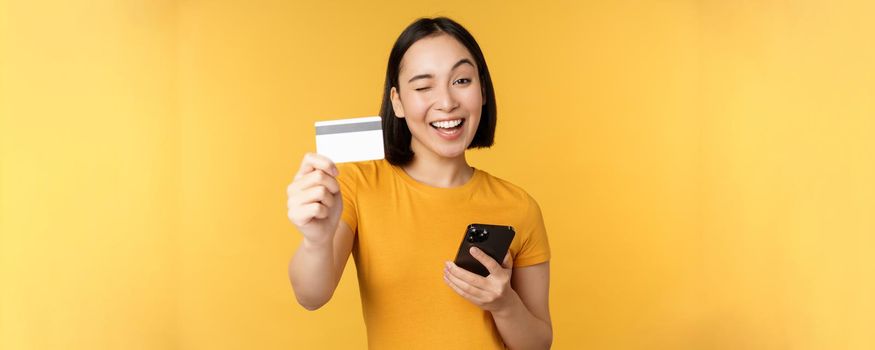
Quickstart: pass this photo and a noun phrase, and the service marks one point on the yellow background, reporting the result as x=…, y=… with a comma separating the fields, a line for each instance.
x=706, y=169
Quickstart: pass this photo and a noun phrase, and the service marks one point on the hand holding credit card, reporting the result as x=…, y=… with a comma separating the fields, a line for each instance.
x=350, y=140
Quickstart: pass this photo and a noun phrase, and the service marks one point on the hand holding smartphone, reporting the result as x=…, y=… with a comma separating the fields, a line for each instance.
x=494, y=240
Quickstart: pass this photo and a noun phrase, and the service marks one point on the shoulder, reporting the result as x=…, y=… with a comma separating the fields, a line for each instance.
x=520, y=210
x=363, y=172
x=354, y=169
x=509, y=191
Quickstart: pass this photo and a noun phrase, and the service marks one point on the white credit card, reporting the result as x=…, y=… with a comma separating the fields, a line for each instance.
x=350, y=140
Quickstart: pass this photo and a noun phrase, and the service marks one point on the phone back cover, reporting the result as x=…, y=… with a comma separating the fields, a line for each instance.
x=496, y=246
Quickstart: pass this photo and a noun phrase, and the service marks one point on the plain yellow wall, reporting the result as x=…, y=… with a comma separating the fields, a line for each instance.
x=706, y=169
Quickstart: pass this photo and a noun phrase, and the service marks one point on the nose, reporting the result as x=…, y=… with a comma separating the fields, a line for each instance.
x=445, y=102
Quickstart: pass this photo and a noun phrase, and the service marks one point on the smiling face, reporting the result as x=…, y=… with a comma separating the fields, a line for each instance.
x=440, y=96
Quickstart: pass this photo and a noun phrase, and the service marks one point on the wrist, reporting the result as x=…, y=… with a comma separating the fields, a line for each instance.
x=317, y=245
x=509, y=308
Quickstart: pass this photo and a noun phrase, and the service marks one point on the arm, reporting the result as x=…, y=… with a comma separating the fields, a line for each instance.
x=315, y=269
x=525, y=323
x=518, y=300
x=315, y=205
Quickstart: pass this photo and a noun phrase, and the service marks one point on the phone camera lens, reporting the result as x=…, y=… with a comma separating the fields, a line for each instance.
x=476, y=234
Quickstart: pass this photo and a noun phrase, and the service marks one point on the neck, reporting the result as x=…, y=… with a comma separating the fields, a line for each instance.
x=434, y=170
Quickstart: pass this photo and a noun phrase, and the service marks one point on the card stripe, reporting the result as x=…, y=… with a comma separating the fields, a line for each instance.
x=342, y=128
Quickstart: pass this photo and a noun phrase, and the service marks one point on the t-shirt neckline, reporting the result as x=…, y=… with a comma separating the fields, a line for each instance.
x=475, y=178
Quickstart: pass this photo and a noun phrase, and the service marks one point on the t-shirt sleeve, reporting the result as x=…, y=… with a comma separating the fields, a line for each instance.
x=348, y=181
x=535, y=247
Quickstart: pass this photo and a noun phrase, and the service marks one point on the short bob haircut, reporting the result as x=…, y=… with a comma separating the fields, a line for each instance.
x=396, y=134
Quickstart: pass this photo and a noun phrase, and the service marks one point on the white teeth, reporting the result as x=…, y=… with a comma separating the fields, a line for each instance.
x=446, y=124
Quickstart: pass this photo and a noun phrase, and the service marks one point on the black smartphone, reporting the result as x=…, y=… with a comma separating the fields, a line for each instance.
x=494, y=240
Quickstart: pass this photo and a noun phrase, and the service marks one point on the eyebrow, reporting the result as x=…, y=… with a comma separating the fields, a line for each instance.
x=429, y=76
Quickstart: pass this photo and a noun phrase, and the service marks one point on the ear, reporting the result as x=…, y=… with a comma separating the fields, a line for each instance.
x=396, y=103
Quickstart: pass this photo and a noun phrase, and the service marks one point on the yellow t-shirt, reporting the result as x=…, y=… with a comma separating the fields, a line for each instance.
x=406, y=230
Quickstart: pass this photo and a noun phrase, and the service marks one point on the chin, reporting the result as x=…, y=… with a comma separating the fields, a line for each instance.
x=444, y=149
x=451, y=153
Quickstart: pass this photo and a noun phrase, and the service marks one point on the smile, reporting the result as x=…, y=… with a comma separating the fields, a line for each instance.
x=448, y=124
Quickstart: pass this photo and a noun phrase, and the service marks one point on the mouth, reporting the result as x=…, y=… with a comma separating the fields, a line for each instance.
x=448, y=129
x=448, y=124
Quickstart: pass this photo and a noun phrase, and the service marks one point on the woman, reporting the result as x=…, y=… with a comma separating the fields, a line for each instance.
x=402, y=218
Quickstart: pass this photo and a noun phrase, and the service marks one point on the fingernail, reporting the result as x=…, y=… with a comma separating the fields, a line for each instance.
x=473, y=250
x=448, y=265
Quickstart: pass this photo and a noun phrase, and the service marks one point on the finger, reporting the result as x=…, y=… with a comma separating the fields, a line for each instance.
x=466, y=276
x=306, y=213
x=508, y=261
x=485, y=259
x=318, y=194
x=459, y=290
x=316, y=210
x=313, y=161
x=314, y=178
